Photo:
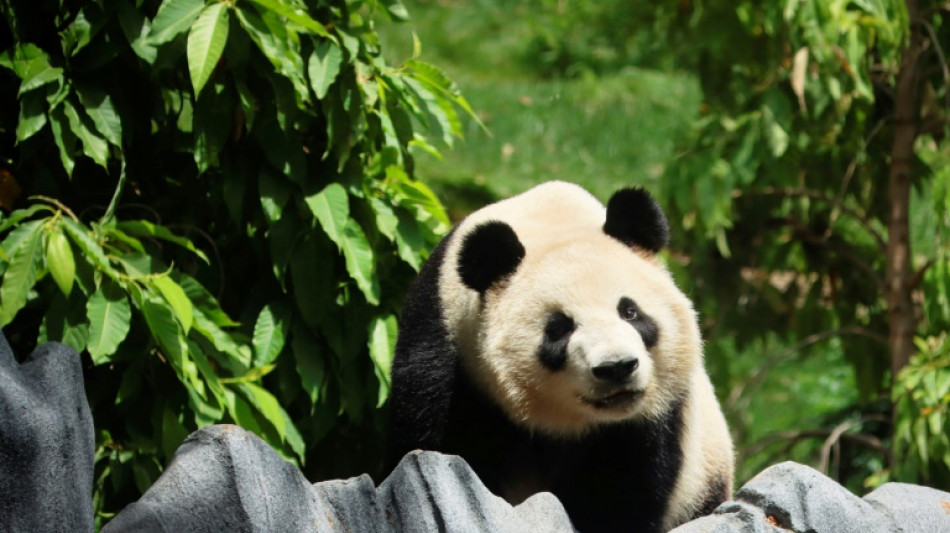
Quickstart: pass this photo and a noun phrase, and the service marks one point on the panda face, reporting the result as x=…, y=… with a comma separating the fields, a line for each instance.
x=584, y=334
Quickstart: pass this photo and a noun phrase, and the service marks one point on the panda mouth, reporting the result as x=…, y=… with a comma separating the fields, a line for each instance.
x=617, y=400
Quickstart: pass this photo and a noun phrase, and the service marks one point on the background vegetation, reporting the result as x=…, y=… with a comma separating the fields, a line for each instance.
x=216, y=204
x=800, y=149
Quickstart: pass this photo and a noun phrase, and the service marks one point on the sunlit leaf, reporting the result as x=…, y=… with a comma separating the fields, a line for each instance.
x=109, y=319
x=173, y=18
x=176, y=298
x=206, y=42
x=270, y=333
x=324, y=66
x=59, y=261
x=144, y=228
x=382, y=343
x=332, y=209
x=284, y=10
x=20, y=274
x=32, y=115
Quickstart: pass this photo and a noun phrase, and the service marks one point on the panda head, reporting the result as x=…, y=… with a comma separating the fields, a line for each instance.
x=572, y=332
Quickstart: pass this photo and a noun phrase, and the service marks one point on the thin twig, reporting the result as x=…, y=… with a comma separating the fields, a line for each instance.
x=849, y=173
x=817, y=195
x=843, y=252
x=110, y=211
x=834, y=439
x=941, y=57
x=62, y=207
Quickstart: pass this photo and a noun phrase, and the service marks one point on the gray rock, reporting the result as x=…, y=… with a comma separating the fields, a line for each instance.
x=224, y=478
x=47, y=443
x=794, y=497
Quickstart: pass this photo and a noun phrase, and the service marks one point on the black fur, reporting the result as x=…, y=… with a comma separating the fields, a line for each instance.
x=557, y=334
x=635, y=219
x=716, y=493
x=618, y=478
x=423, y=372
x=648, y=329
x=489, y=253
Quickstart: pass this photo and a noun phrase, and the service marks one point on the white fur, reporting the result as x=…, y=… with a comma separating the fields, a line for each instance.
x=570, y=265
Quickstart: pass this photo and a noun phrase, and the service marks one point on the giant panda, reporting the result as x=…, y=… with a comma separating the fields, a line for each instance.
x=546, y=343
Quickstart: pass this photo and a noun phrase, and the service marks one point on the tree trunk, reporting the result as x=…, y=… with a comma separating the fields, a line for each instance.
x=900, y=309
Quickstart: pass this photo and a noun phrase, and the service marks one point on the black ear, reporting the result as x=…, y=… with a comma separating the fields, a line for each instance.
x=489, y=253
x=635, y=219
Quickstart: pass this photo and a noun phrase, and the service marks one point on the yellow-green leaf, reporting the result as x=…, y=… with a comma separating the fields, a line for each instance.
x=109, y=315
x=206, y=42
x=176, y=298
x=60, y=261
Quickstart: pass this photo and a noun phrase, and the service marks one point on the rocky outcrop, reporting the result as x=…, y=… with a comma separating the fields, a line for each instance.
x=793, y=497
x=46, y=442
x=224, y=478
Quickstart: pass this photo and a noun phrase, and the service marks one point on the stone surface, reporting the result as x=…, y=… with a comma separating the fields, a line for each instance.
x=794, y=497
x=224, y=478
x=46, y=442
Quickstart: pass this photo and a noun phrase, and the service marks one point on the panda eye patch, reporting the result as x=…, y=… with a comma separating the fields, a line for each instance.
x=558, y=326
x=628, y=310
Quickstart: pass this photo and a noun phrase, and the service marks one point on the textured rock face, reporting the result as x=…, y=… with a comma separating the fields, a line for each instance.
x=793, y=497
x=224, y=478
x=46, y=442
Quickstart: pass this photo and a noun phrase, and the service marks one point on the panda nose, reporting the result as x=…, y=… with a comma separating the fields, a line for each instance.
x=617, y=370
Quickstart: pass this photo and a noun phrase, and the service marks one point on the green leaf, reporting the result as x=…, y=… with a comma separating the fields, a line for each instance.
x=332, y=209
x=144, y=228
x=279, y=44
x=206, y=42
x=20, y=274
x=176, y=298
x=275, y=191
x=382, y=343
x=65, y=321
x=280, y=8
x=240, y=355
x=324, y=67
x=64, y=138
x=60, y=261
x=98, y=105
x=396, y=10
x=32, y=115
x=310, y=364
x=360, y=261
x=90, y=248
x=136, y=29
x=270, y=333
x=93, y=144
x=32, y=66
x=173, y=432
x=173, y=18
x=268, y=406
x=109, y=319
x=19, y=215
x=165, y=329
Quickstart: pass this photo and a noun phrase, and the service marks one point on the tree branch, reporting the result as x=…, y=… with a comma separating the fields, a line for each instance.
x=864, y=221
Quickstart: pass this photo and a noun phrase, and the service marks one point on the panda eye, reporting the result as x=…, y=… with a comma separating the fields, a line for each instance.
x=628, y=310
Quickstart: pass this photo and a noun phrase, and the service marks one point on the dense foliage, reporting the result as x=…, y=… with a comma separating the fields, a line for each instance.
x=822, y=143
x=213, y=202
x=780, y=198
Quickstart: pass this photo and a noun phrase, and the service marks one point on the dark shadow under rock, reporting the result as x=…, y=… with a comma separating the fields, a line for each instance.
x=47, y=442
x=224, y=478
